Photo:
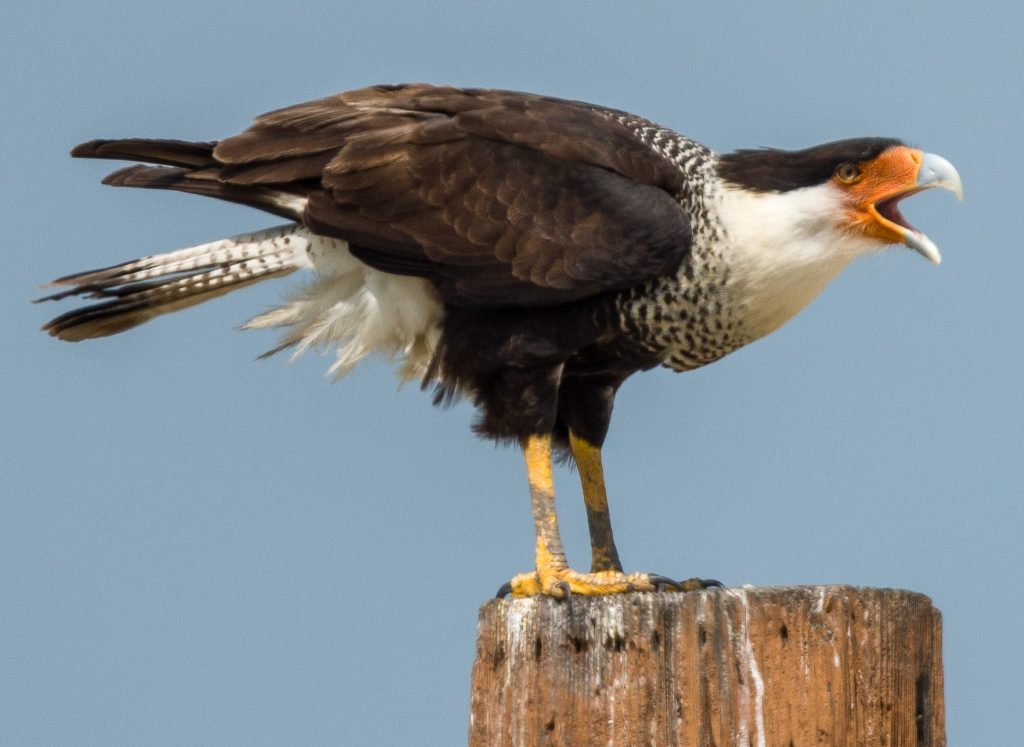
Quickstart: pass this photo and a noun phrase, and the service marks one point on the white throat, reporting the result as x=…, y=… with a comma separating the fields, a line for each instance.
x=781, y=250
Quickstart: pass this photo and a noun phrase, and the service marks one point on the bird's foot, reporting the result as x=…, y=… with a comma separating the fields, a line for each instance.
x=563, y=582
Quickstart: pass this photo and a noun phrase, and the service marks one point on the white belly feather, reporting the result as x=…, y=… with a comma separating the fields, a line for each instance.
x=356, y=311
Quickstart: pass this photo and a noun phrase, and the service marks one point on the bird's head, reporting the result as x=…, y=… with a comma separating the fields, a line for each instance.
x=868, y=176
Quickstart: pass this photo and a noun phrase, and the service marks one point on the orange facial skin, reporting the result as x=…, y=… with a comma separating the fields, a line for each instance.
x=874, y=187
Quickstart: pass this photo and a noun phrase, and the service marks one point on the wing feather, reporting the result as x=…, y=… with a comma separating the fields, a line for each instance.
x=500, y=198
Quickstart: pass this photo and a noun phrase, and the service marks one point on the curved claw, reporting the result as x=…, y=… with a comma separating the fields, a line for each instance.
x=504, y=590
x=664, y=582
x=698, y=584
x=566, y=590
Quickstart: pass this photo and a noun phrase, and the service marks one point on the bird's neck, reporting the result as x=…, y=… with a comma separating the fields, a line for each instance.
x=778, y=251
x=757, y=260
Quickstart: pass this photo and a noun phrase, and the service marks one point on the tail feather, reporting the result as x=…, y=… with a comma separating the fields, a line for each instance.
x=142, y=289
x=349, y=306
x=194, y=170
x=166, y=152
x=205, y=182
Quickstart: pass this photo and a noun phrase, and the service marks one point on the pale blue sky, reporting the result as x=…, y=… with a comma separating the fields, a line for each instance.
x=196, y=548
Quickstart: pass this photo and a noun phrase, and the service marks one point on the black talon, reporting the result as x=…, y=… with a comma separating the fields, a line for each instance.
x=664, y=582
x=504, y=591
x=566, y=591
x=699, y=584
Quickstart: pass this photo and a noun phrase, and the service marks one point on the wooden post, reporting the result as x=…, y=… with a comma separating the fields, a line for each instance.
x=770, y=667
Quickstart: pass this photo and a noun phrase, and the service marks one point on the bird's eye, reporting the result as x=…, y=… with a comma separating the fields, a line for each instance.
x=847, y=172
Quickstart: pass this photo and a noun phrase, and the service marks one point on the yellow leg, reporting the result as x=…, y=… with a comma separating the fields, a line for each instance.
x=549, y=553
x=553, y=575
x=603, y=554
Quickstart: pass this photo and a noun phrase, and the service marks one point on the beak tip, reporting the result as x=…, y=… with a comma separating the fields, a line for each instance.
x=923, y=246
x=936, y=171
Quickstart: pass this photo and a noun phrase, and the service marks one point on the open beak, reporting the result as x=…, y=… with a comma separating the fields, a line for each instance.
x=928, y=170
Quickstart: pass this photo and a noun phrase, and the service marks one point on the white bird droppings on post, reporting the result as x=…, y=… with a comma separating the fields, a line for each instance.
x=753, y=671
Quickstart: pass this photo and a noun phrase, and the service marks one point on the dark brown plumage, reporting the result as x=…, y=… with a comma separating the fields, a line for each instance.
x=502, y=199
x=530, y=253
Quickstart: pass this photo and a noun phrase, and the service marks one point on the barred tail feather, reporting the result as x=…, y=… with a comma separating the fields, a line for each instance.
x=348, y=306
x=142, y=289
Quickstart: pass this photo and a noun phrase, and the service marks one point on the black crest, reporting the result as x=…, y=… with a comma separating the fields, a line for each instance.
x=772, y=170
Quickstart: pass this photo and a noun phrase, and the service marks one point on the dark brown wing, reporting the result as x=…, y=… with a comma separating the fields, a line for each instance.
x=501, y=198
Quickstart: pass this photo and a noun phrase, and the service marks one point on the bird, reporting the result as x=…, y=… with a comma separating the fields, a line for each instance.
x=524, y=252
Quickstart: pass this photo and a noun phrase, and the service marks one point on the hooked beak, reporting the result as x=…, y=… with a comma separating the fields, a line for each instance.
x=929, y=171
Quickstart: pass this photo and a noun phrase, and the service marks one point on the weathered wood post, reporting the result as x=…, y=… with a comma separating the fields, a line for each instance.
x=770, y=667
